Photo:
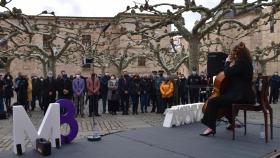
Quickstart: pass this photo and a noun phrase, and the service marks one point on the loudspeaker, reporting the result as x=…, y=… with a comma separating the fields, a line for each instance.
x=215, y=63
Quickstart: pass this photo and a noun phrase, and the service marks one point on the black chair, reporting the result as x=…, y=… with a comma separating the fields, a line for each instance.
x=263, y=106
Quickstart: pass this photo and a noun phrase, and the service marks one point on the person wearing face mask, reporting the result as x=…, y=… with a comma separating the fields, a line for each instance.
x=158, y=80
x=124, y=86
x=78, y=86
x=113, y=97
x=176, y=82
x=144, y=97
x=104, y=90
x=135, y=93
x=17, y=84
x=274, y=88
x=194, y=82
x=48, y=91
x=22, y=92
x=167, y=92
x=8, y=93
x=93, y=88
x=35, y=91
x=184, y=90
x=64, y=87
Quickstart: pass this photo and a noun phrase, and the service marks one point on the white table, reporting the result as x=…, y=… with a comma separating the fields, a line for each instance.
x=183, y=114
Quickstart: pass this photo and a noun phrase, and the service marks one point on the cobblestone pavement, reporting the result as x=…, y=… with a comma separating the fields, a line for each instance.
x=113, y=123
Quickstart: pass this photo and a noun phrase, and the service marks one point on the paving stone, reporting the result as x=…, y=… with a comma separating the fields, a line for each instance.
x=108, y=123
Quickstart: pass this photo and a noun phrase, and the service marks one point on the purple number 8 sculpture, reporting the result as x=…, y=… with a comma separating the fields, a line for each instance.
x=69, y=118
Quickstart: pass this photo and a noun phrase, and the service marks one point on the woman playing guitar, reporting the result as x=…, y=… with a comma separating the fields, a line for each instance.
x=239, y=73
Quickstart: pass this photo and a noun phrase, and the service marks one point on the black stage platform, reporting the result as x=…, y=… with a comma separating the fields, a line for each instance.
x=162, y=142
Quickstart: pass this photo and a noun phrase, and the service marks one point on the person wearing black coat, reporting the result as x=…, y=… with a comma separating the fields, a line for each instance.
x=22, y=85
x=8, y=91
x=36, y=92
x=144, y=93
x=184, y=90
x=176, y=82
x=64, y=87
x=1, y=94
x=135, y=93
x=153, y=96
x=48, y=91
x=194, y=83
x=104, y=90
x=123, y=87
x=239, y=72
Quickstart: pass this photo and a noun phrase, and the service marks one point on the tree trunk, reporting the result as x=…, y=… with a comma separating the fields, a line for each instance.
x=194, y=54
x=52, y=66
x=263, y=68
x=103, y=68
x=44, y=65
x=119, y=70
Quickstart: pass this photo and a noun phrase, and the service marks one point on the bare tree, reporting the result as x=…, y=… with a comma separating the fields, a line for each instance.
x=211, y=19
x=264, y=55
x=122, y=57
x=22, y=31
x=169, y=57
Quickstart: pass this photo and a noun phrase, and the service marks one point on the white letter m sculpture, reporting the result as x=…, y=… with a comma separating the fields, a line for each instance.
x=49, y=128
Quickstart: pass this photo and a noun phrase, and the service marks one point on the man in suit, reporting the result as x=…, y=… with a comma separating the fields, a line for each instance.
x=36, y=90
x=157, y=83
x=64, y=87
x=49, y=91
x=104, y=89
x=93, y=87
x=78, y=87
x=194, y=82
x=124, y=86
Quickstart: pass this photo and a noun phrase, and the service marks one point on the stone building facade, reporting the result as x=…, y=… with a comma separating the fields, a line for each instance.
x=270, y=32
x=140, y=65
x=83, y=63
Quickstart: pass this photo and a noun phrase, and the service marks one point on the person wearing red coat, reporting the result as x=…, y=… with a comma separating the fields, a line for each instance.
x=93, y=87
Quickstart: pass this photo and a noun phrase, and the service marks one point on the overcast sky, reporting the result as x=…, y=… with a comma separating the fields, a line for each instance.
x=95, y=8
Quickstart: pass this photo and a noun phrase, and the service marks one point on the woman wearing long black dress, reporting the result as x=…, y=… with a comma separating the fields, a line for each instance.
x=239, y=72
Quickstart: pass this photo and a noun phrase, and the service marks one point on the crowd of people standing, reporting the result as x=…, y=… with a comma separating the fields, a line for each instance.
x=122, y=93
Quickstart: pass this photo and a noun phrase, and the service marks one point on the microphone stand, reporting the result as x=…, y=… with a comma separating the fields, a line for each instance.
x=95, y=130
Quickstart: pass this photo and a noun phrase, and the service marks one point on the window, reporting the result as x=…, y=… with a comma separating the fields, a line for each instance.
x=88, y=60
x=86, y=40
x=46, y=41
x=141, y=61
x=3, y=42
